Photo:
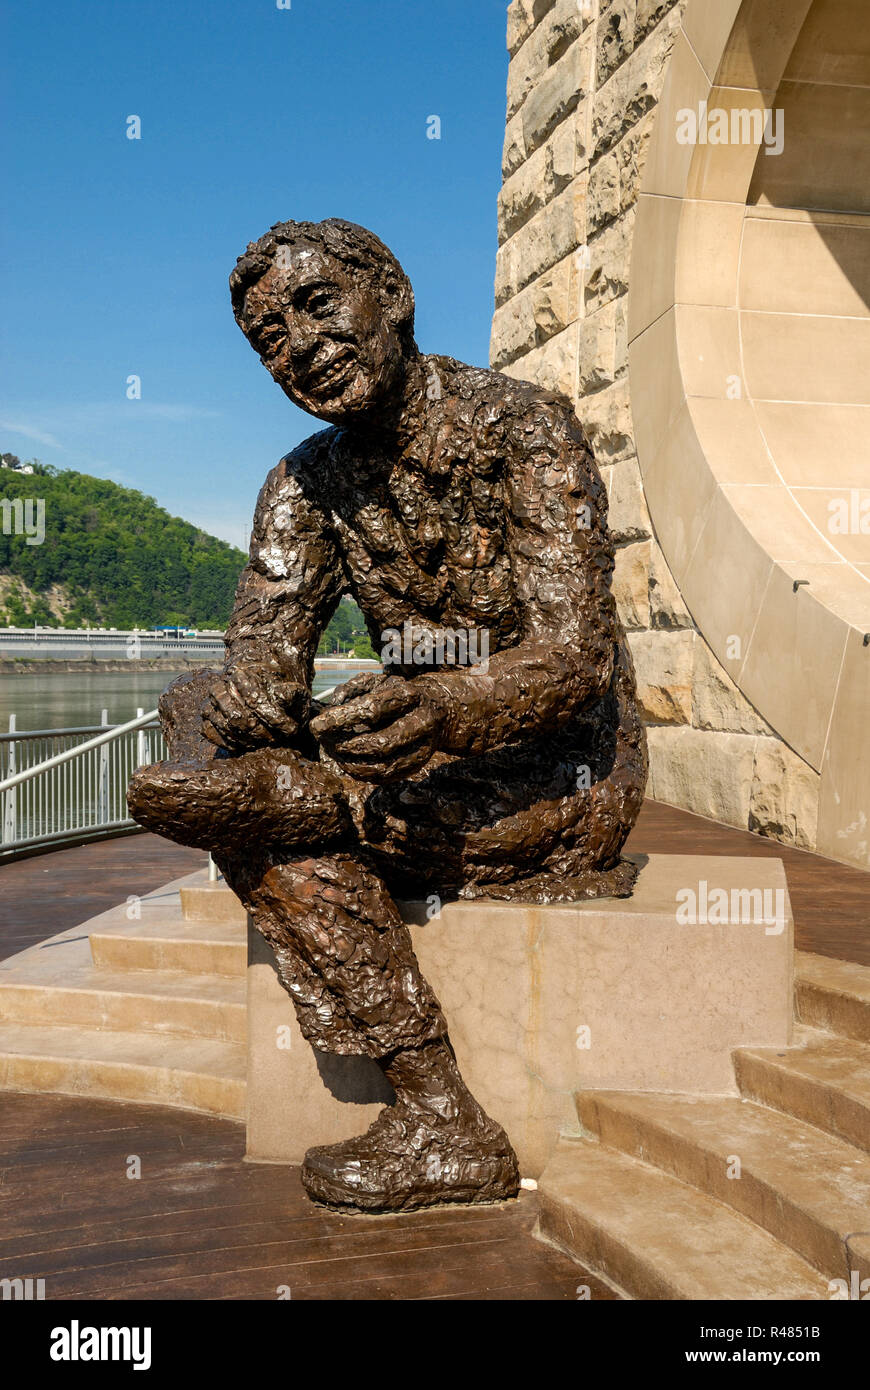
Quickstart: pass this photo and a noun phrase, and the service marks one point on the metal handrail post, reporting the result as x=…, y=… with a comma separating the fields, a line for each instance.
x=9, y=800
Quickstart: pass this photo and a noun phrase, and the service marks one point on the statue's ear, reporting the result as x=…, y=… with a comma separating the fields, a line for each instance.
x=398, y=298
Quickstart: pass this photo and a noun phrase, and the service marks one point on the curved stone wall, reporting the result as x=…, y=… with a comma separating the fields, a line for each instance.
x=705, y=303
x=750, y=373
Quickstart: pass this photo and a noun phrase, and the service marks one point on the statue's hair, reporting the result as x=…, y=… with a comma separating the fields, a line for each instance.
x=354, y=246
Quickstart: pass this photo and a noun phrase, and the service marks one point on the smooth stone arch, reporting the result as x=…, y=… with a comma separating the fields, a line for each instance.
x=748, y=423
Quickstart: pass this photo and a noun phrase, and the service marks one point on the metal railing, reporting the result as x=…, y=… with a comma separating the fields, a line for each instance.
x=69, y=785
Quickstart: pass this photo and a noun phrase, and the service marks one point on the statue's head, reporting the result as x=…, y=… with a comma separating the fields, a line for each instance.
x=330, y=312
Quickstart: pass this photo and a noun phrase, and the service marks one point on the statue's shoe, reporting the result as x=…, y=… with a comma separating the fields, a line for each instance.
x=409, y=1159
x=270, y=796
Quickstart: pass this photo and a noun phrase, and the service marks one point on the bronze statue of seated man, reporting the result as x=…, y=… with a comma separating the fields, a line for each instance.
x=447, y=500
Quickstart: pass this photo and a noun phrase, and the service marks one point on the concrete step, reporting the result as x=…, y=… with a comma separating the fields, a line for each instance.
x=824, y=1079
x=171, y=943
x=136, y=1005
x=656, y=1238
x=202, y=901
x=190, y=1073
x=808, y=1189
x=152, y=1001
x=58, y=982
x=189, y=925
x=833, y=995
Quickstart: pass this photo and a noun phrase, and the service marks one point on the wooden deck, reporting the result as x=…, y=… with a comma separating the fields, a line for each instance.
x=200, y=1223
x=47, y=893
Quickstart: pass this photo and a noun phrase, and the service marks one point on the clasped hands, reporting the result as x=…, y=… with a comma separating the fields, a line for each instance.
x=378, y=727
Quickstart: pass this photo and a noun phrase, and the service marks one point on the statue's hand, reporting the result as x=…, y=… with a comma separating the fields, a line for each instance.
x=382, y=735
x=246, y=712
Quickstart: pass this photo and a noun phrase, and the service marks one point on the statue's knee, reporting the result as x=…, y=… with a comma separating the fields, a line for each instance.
x=151, y=794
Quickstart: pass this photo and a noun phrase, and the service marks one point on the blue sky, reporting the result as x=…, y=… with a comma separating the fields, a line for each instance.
x=116, y=252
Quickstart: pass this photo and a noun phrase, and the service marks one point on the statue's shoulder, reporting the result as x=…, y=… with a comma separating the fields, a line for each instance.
x=302, y=466
x=515, y=408
x=310, y=457
x=299, y=474
x=534, y=408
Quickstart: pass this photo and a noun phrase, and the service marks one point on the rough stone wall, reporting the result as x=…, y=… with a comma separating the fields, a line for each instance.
x=584, y=80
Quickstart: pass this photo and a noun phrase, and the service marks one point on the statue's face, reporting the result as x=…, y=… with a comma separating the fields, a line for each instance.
x=322, y=334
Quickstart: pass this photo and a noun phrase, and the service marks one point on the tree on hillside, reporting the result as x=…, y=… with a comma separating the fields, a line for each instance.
x=118, y=557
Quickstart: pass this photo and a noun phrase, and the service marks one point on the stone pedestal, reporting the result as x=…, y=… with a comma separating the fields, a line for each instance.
x=649, y=993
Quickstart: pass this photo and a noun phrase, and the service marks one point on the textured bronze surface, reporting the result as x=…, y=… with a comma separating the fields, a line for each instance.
x=500, y=753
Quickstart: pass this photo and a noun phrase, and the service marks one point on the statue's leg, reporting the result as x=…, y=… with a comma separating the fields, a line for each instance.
x=279, y=828
x=346, y=959
x=268, y=797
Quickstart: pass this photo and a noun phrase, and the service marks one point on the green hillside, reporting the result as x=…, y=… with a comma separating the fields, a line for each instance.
x=110, y=556
x=346, y=632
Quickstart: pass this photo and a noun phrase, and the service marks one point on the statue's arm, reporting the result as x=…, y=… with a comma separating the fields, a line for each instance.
x=562, y=562
x=287, y=593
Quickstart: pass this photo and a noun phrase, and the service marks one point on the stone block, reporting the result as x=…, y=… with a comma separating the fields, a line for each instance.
x=602, y=204
x=609, y=255
x=615, y=37
x=663, y=665
x=525, y=72
x=549, y=236
x=514, y=150
x=630, y=585
x=556, y=94
x=296, y=1096
x=705, y=772
x=553, y=366
x=631, y=155
x=667, y=609
x=606, y=417
x=520, y=23
x=634, y=88
x=649, y=13
x=562, y=146
x=628, y=517
x=718, y=704
x=579, y=123
x=620, y=328
x=785, y=795
x=647, y=67
x=549, y=42
x=566, y=22
x=524, y=193
x=211, y=902
x=536, y=314
x=597, y=350
x=536, y=182
x=513, y=332
x=546, y=1001
x=609, y=107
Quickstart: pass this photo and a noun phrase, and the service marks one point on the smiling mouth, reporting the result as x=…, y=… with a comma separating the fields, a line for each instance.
x=331, y=375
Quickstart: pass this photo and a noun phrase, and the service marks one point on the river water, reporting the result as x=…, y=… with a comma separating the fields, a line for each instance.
x=71, y=699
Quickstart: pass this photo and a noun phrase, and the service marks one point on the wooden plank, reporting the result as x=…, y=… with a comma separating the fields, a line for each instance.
x=202, y=1223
